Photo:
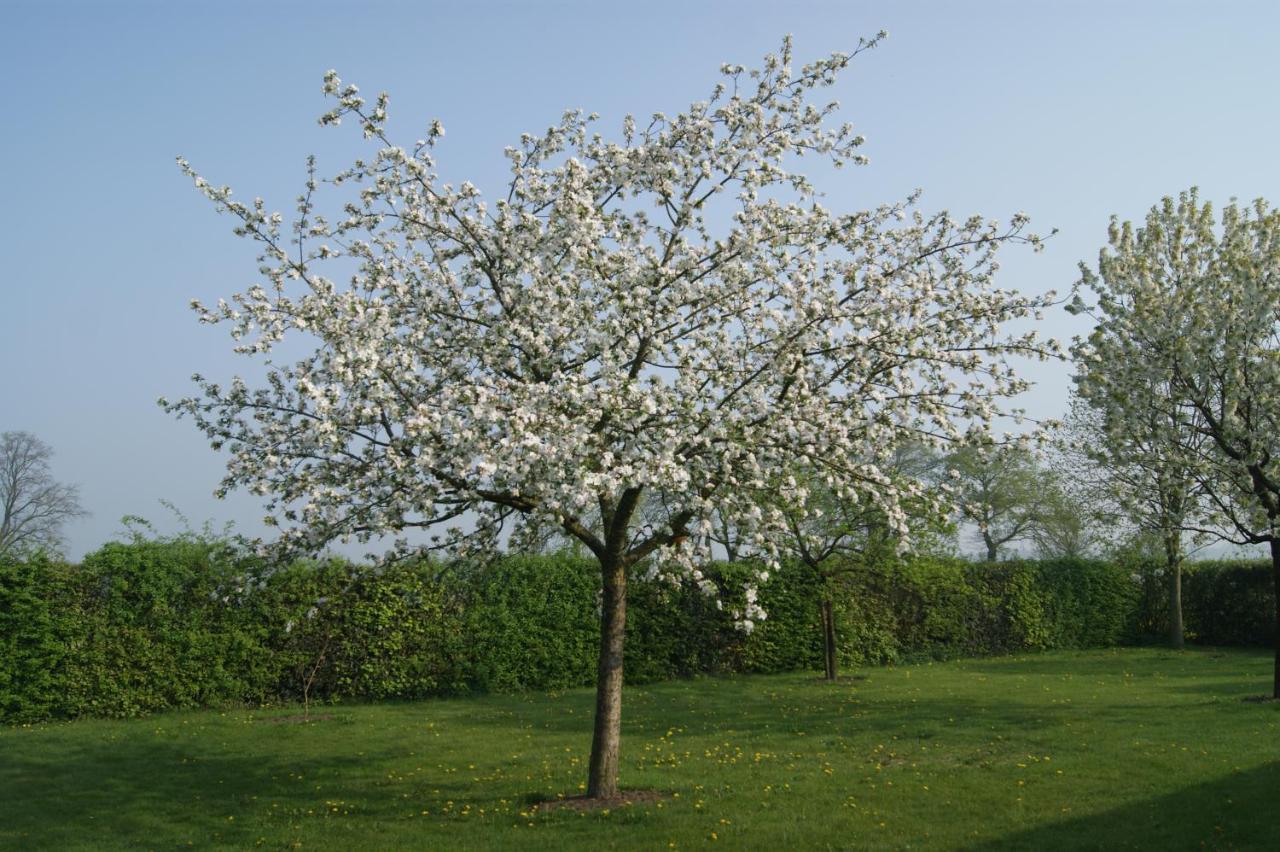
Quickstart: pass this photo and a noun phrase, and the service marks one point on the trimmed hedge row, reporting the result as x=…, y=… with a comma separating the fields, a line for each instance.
x=150, y=625
x=1224, y=602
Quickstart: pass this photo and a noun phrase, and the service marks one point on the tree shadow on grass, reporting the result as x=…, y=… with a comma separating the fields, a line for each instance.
x=1234, y=812
x=821, y=710
x=1165, y=662
x=134, y=792
x=1226, y=690
x=1006, y=696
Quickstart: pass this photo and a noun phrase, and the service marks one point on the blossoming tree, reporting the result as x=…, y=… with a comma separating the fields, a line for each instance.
x=673, y=310
x=836, y=537
x=1134, y=475
x=1184, y=364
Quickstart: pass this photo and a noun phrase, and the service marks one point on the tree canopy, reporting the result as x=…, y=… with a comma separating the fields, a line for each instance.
x=672, y=309
x=1185, y=360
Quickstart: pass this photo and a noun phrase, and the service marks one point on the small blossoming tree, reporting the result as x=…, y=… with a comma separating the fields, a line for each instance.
x=1134, y=475
x=1184, y=367
x=673, y=311
x=835, y=537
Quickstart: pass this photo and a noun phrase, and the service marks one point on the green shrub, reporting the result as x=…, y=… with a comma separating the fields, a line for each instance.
x=675, y=630
x=866, y=621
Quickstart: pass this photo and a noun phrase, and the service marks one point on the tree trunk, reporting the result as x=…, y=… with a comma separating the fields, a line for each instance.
x=992, y=549
x=829, y=639
x=1173, y=564
x=1275, y=577
x=602, y=779
x=1176, y=638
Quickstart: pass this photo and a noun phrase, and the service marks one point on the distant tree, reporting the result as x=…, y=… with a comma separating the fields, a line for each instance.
x=1192, y=308
x=1002, y=490
x=1065, y=524
x=34, y=506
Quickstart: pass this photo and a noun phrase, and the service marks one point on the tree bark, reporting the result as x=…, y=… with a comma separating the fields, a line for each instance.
x=992, y=549
x=602, y=778
x=1173, y=564
x=1176, y=638
x=1275, y=578
x=829, y=639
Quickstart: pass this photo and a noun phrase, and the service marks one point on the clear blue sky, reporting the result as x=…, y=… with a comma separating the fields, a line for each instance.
x=1069, y=111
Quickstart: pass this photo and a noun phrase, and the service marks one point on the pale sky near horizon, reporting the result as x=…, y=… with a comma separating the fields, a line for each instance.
x=1069, y=111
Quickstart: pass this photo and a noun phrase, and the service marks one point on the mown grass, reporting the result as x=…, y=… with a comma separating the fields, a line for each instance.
x=1133, y=748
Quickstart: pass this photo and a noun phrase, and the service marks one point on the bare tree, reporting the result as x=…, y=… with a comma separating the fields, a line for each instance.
x=34, y=506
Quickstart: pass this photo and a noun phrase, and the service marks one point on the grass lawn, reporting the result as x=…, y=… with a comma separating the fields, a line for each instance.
x=1125, y=748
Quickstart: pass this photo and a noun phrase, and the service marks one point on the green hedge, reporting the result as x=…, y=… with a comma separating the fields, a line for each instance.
x=341, y=631
x=943, y=608
x=530, y=623
x=188, y=622
x=35, y=638
x=1224, y=601
x=1229, y=602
